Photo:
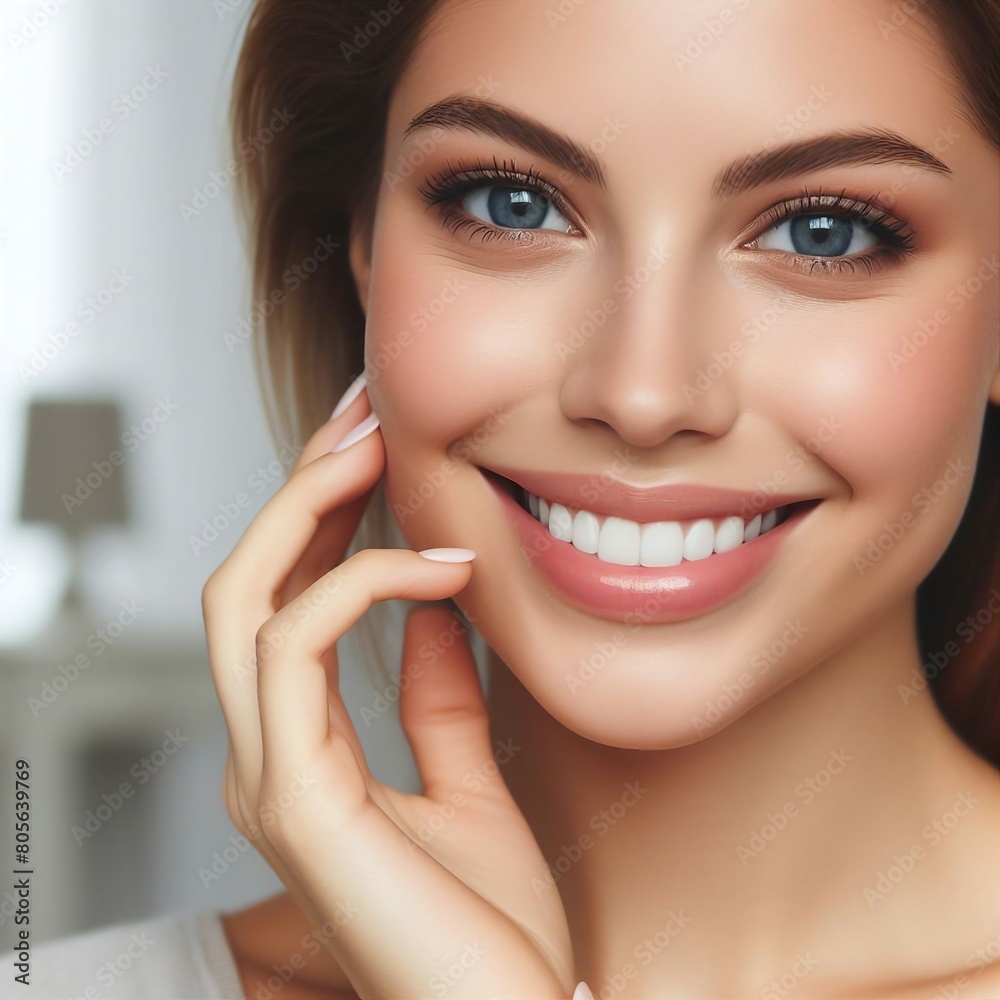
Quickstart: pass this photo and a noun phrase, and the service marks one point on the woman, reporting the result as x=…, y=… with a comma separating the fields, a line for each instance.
x=677, y=326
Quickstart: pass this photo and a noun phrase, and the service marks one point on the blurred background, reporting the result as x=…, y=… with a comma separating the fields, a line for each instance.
x=135, y=453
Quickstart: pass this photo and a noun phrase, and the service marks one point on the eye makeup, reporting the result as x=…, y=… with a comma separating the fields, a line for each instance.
x=445, y=190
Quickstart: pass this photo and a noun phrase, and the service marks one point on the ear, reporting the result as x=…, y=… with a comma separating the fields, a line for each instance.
x=360, y=256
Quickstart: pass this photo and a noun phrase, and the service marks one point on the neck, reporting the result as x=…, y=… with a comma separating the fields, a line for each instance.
x=753, y=846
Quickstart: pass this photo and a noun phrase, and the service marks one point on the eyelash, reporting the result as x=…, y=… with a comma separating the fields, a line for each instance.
x=442, y=190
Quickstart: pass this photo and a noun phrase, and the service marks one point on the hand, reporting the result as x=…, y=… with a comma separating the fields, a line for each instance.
x=430, y=894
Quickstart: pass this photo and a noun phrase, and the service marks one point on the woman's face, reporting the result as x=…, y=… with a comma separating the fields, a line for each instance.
x=765, y=274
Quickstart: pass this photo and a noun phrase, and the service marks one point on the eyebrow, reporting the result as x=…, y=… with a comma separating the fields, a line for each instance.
x=836, y=149
x=873, y=145
x=475, y=114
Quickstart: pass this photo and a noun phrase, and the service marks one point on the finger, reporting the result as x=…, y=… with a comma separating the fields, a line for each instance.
x=238, y=597
x=335, y=530
x=292, y=681
x=331, y=431
x=442, y=709
x=277, y=537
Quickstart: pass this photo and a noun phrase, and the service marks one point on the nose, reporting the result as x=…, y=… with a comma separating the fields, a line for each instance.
x=647, y=369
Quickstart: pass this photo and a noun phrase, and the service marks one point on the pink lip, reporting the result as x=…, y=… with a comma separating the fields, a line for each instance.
x=638, y=594
x=601, y=494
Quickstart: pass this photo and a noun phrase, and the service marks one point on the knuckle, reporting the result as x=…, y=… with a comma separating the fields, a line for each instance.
x=264, y=639
x=210, y=593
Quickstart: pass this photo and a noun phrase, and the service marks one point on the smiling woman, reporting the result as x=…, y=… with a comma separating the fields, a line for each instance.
x=668, y=333
x=733, y=318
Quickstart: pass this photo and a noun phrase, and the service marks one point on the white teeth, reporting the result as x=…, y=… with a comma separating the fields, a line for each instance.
x=625, y=542
x=699, y=539
x=729, y=534
x=586, y=531
x=619, y=542
x=561, y=523
x=661, y=544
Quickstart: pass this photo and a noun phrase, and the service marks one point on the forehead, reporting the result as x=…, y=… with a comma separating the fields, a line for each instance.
x=696, y=78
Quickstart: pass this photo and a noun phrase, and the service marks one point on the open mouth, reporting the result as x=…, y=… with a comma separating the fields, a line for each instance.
x=625, y=542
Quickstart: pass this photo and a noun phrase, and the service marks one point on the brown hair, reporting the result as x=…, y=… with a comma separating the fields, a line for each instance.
x=330, y=66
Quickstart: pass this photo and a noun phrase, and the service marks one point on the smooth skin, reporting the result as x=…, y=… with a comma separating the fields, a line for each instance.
x=797, y=906
x=297, y=774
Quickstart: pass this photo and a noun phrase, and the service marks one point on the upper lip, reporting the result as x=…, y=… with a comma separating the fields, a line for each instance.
x=602, y=494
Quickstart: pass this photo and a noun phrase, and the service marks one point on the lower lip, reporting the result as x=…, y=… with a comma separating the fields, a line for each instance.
x=644, y=593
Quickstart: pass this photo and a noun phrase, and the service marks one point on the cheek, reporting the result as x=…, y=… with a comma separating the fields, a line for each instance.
x=889, y=398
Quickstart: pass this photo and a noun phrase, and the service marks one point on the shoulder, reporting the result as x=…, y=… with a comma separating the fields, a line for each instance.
x=179, y=956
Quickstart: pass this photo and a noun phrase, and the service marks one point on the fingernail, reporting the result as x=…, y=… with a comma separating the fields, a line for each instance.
x=448, y=555
x=350, y=395
x=582, y=992
x=353, y=436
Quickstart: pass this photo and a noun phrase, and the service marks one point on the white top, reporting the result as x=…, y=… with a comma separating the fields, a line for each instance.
x=181, y=956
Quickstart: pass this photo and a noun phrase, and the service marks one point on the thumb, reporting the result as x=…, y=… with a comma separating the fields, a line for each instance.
x=442, y=709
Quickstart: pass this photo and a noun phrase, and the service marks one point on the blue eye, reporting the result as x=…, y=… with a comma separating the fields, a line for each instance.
x=820, y=236
x=514, y=208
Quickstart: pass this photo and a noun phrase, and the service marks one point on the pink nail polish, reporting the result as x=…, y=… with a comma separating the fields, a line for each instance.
x=582, y=992
x=362, y=430
x=351, y=393
x=448, y=555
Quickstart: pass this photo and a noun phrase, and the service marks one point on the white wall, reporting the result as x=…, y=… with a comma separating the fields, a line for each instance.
x=65, y=228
